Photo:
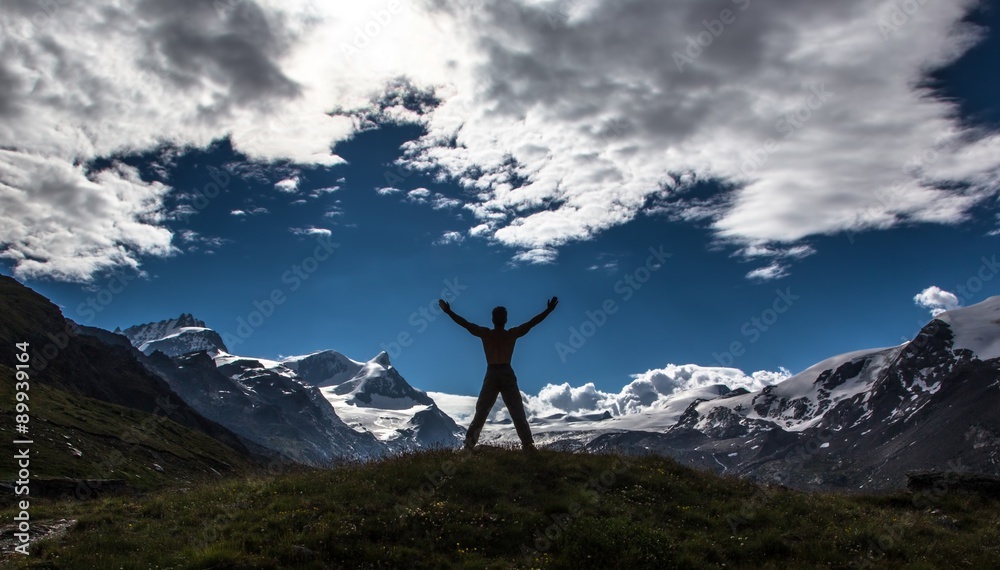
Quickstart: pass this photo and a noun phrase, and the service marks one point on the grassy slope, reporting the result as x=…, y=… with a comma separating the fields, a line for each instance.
x=116, y=442
x=82, y=364
x=439, y=509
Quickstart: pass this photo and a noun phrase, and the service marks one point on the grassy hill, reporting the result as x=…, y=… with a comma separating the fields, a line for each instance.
x=83, y=438
x=84, y=365
x=499, y=508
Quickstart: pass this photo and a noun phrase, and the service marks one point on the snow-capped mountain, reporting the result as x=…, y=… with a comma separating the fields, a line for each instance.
x=374, y=397
x=867, y=417
x=265, y=404
x=801, y=401
x=314, y=409
x=174, y=337
x=857, y=420
x=323, y=368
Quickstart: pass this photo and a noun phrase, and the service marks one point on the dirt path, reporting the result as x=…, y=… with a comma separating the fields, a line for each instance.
x=40, y=530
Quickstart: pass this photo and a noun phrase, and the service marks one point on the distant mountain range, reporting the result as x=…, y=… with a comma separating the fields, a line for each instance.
x=855, y=421
x=96, y=412
x=315, y=409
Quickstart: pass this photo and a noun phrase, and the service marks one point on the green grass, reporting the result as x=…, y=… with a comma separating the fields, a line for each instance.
x=491, y=509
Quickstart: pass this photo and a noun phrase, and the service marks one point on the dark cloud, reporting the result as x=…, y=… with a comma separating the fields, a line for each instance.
x=11, y=87
x=193, y=42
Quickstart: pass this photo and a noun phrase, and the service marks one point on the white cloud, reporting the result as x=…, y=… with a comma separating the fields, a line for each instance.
x=607, y=262
x=288, y=185
x=442, y=202
x=334, y=211
x=97, y=79
x=450, y=237
x=537, y=256
x=251, y=212
x=647, y=391
x=57, y=221
x=826, y=117
x=436, y=200
x=388, y=191
x=195, y=241
x=937, y=300
x=769, y=272
x=311, y=231
x=610, y=267
x=481, y=230
x=772, y=250
x=418, y=196
x=582, y=105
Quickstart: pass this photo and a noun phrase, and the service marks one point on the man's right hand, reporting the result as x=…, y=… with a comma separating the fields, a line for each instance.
x=444, y=305
x=552, y=303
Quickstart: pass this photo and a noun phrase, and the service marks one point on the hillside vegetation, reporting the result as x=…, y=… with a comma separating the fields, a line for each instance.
x=500, y=508
x=83, y=438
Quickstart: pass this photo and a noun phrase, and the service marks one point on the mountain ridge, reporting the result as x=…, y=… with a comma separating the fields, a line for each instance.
x=823, y=427
x=858, y=416
x=384, y=412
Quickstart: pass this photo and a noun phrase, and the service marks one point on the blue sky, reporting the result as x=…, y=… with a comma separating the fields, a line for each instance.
x=788, y=265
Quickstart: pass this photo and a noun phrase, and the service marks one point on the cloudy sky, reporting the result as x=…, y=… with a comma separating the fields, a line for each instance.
x=745, y=183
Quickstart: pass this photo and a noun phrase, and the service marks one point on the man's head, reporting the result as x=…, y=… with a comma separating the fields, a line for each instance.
x=499, y=317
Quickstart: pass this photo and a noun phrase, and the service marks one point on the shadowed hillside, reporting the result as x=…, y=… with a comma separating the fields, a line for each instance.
x=498, y=508
x=83, y=438
x=81, y=364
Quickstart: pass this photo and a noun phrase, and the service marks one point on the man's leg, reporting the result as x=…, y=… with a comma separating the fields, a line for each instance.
x=487, y=397
x=512, y=399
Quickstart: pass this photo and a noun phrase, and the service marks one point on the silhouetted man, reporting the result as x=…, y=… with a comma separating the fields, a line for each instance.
x=498, y=343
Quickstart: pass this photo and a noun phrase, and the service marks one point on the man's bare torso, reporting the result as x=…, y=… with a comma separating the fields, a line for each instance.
x=498, y=345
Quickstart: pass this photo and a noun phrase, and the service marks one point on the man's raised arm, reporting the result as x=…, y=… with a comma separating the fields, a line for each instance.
x=476, y=330
x=522, y=330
